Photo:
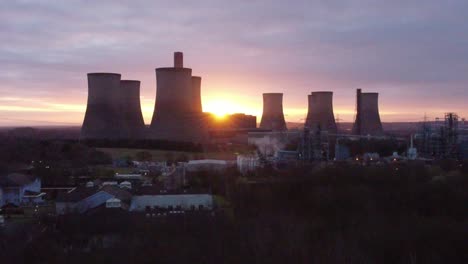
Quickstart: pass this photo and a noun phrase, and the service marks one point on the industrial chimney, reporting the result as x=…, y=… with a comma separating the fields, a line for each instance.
x=320, y=112
x=131, y=107
x=175, y=117
x=103, y=119
x=178, y=59
x=273, y=117
x=367, y=115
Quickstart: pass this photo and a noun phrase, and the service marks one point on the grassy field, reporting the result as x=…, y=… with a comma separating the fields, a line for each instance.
x=162, y=155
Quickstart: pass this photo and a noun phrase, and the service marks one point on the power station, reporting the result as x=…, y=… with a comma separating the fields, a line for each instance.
x=114, y=112
x=320, y=112
x=177, y=113
x=367, y=115
x=273, y=117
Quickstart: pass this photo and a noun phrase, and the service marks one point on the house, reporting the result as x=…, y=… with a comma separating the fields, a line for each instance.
x=20, y=189
x=85, y=198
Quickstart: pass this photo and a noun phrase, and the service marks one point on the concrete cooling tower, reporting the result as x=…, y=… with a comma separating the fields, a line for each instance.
x=134, y=124
x=177, y=113
x=320, y=112
x=196, y=91
x=102, y=119
x=273, y=117
x=367, y=115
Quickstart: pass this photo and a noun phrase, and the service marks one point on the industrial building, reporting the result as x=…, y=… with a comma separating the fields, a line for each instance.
x=273, y=116
x=242, y=121
x=320, y=112
x=178, y=113
x=367, y=115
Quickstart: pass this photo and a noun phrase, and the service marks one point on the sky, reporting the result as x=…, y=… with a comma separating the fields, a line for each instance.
x=414, y=53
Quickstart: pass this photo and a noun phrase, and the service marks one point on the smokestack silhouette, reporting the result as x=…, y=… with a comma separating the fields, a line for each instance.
x=367, y=114
x=174, y=117
x=273, y=117
x=178, y=59
x=132, y=116
x=103, y=111
x=320, y=112
x=196, y=92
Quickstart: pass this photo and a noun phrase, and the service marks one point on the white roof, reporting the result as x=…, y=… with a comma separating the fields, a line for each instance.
x=139, y=203
x=207, y=161
x=113, y=200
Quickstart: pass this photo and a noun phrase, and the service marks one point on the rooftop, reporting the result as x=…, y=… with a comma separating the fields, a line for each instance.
x=16, y=179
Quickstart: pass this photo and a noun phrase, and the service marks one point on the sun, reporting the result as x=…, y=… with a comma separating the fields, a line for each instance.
x=220, y=109
x=223, y=106
x=220, y=116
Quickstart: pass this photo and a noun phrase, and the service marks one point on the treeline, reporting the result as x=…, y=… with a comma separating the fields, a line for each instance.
x=145, y=144
x=54, y=161
x=402, y=213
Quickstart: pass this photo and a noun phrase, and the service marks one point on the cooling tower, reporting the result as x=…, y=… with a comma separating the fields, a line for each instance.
x=134, y=124
x=320, y=112
x=103, y=119
x=273, y=117
x=367, y=114
x=196, y=91
x=174, y=117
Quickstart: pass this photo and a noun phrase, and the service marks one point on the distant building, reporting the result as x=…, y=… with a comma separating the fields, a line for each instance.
x=206, y=165
x=342, y=152
x=242, y=121
x=84, y=198
x=166, y=200
x=20, y=189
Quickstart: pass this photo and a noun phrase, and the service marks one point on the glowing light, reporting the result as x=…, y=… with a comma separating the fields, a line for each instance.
x=220, y=116
x=221, y=108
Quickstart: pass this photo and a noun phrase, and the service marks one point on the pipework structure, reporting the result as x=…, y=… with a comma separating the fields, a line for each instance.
x=320, y=114
x=103, y=111
x=178, y=112
x=273, y=117
x=367, y=115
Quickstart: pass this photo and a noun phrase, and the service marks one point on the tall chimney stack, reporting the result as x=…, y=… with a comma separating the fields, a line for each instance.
x=178, y=59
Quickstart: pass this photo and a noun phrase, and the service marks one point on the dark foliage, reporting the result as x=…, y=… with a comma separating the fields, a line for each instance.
x=337, y=214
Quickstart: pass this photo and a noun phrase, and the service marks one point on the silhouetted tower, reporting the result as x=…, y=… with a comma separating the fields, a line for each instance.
x=103, y=118
x=367, y=114
x=273, y=117
x=175, y=116
x=132, y=116
x=196, y=90
x=320, y=112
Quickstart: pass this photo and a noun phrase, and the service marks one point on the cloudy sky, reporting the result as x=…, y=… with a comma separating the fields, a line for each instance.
x=414, y=53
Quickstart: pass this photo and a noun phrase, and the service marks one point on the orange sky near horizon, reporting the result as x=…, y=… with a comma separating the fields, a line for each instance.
x=50, y=111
